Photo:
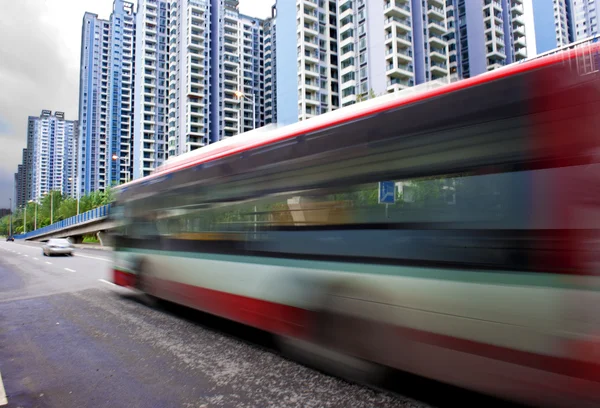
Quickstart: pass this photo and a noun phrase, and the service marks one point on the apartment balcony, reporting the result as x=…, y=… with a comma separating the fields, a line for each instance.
x=230, y=125
x=494, y=66
x=311, y=15
x=436, y=27
x=438, y=68
x=518, y=21
x=310, y=43
x=196, y=63
x=311, y=85
x=397, y=84
x=196, y=45
x=231, y=107
x=229, y=96
x=438, y=55
x=495, y=53
x=230, y=80
x=195, y=92
x=196, y=103
x=311, y=72
x=400, y=71
x=196, y=34
x=520, y=53
x=229, y=34
x=404, y=56
x=516, y=9
x=231, y=61
x=495, y=5
x=437, y=40
x=401, y=40
x=402, y=25
x=396, y=9
x=436, y=13
x=518, y=30
x=197, y=18
x=519, y=41
x=311, y=100
x=311, y=57
x=311, y=29
x=196, y=114
x=348, y=12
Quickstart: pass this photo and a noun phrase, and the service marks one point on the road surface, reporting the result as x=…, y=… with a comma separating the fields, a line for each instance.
x=69, y=338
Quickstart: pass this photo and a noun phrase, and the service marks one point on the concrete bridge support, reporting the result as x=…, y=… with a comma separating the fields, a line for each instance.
x=103, y=238
x=76, y=239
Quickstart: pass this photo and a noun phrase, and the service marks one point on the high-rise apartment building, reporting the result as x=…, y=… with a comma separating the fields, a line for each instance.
x=21, y=196
x=585, y=14
x=120, y=93
x=23, y=180
x=485, y=35
x=270, y=71
x=236, y=71
x=49, y=161
x=151, y=86
x=347, y=49
x=188, y=75
x=93, y=104
x=54, y=158
x=307, y=55
x=553, y=24
x=106, y=98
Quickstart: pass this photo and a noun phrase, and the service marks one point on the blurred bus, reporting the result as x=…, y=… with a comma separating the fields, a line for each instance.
x=482, y=272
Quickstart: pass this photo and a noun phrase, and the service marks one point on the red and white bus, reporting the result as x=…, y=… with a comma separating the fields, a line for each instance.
x=483, y=273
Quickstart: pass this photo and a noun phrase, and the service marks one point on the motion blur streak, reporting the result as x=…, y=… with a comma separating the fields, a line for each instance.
x=482, y=271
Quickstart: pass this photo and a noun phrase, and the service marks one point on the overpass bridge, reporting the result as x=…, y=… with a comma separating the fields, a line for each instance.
x=93, y=222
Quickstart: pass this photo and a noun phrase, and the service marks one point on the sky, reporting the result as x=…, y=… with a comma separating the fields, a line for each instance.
x=39, y=67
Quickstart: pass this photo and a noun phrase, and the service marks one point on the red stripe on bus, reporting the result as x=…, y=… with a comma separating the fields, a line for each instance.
x=296, y=322
x=558, y=365
x=122, y=278
x=269, y=316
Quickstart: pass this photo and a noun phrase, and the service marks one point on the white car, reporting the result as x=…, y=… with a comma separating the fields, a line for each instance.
x=57, y=246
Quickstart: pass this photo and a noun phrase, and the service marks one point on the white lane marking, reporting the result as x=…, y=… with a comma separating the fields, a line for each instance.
x=36, y=259
x=3, y=399
x=93, y=257
x=105, y=281
x=49, y=263
x=70, y=270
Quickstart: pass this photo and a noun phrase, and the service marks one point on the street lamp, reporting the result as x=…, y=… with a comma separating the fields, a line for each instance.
x=10, y=218
x=120, y=159
x=72, y=180
x=241, y=95
x=25, y=220
x=51, y=206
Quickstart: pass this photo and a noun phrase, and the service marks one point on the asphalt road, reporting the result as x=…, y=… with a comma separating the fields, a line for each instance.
x=69, y=338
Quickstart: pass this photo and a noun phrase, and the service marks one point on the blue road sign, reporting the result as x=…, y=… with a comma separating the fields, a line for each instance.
x=387, y=192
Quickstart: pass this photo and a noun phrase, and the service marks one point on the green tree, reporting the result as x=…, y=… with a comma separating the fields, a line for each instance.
x=370, y=95
x=68, y=208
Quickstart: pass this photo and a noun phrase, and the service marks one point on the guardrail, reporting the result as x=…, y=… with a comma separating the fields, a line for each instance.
x=91, y=215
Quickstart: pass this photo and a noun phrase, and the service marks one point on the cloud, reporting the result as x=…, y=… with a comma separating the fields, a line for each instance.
x=4, y=126
x=34, y=74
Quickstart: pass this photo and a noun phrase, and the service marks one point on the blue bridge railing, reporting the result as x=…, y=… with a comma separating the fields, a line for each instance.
x=91, y=215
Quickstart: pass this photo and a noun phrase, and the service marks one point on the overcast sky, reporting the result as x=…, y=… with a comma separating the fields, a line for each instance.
x=39, y=67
